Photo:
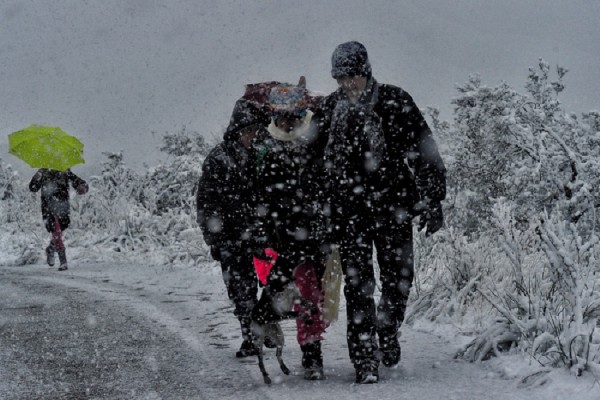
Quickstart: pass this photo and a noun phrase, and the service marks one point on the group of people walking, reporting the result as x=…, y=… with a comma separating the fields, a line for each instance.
x=298, y=175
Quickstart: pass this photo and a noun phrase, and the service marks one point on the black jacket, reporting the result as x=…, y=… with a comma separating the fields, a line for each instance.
x=289, y=183
x=55, y=190
x=226, y=196
x=409, y=169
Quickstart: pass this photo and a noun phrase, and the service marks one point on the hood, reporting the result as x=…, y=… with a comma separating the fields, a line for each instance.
x=244, y=114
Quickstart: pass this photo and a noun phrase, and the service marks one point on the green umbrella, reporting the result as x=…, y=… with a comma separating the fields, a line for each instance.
x=46, y=147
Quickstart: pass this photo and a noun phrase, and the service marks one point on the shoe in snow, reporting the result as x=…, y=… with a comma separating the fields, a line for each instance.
x=390, y=351
x=247, y=349
x=312, y=361
x=50, y=253
x=367, y=372
x=314, y=374
x=62, y=258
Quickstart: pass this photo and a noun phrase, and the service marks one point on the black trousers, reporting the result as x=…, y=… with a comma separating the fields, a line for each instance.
x=50, y=220
x=242, y=285
x=396, y=264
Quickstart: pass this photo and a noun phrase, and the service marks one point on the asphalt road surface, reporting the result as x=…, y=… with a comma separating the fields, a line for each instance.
x=115, y=331
x=69, y=337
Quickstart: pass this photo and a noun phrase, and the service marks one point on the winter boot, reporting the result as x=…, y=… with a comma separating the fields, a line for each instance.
x=62, y=257
x=50, y=254
x=312, y=361
x=247, y=349
x=367, y=371
x=390, y=348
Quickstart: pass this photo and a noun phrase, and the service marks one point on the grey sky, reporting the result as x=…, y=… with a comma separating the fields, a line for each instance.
x=113, y=71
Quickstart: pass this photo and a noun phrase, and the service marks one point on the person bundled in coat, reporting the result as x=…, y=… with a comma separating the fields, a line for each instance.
x=288, y=183
x=54, y=187
x=384, y=169
x=225, y=201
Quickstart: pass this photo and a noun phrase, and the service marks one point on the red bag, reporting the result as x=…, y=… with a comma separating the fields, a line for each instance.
x=263, y=267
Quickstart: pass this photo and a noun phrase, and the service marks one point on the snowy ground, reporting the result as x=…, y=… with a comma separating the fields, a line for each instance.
x=116, y=331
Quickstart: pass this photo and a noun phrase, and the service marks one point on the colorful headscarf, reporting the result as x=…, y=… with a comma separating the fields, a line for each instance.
x=288, y=99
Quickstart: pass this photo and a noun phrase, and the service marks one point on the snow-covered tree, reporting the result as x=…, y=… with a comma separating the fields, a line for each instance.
x=522, y=177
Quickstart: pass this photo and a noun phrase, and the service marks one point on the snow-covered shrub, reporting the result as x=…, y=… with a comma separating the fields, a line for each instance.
x=149, y=212
x=19, y=215
x=573, y=268
x=174, y=186
x=174, y=183
x=521, y=177
x=114, y=195
x=13, y=192
x=450, y=268
x=185, y=143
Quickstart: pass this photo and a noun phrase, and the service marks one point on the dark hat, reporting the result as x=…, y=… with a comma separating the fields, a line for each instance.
x=245, y=114
x=350, y=59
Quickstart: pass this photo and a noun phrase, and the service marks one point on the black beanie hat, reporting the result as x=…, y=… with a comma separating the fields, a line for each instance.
x=350, y=59
x=245, y=114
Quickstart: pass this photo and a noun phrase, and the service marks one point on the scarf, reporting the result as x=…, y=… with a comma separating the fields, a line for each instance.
x=356, y=144
x=302, y=133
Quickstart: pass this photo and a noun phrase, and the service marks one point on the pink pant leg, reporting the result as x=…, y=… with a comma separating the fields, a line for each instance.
x=57, y=236
x=310, y=288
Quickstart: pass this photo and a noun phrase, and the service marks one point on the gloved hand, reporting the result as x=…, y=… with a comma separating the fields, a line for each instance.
x=280, y=275
x=259, y=252
x=431, y=219
x=82, y=189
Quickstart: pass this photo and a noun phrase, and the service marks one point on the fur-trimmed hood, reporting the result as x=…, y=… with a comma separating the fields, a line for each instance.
x=304, y=133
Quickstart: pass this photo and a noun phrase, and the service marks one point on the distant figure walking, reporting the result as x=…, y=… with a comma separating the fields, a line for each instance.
x=56, y=208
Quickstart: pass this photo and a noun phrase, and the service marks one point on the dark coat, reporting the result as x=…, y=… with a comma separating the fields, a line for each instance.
x=289, y=183
x=226, y=197
x=410, y=168
x=55, y=194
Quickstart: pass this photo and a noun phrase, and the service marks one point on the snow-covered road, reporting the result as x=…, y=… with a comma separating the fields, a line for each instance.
x=101, y=331
x=64, y=335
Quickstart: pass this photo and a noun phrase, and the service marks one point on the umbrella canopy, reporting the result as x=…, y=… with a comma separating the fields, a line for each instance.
x=46, y=147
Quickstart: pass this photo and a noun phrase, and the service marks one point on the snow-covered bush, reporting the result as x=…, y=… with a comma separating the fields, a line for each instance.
x=153, y=212
x=185, y=143
x=20, y=217
x=175, y=183
x=521, y=179
x=12, y=192
x=116, y=195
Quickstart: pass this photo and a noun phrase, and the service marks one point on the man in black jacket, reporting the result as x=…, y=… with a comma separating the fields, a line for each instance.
x=384, y=169
x=226, y=201
x=56, y=208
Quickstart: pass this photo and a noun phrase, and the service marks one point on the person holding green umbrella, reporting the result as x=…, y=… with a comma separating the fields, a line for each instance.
x=54, y=187
x=53, y=151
